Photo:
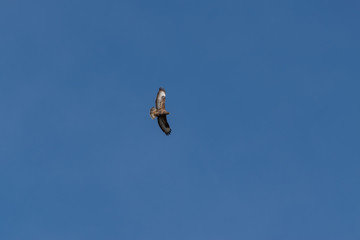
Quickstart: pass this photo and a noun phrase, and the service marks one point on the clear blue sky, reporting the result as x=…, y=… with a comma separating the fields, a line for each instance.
x=264, y=101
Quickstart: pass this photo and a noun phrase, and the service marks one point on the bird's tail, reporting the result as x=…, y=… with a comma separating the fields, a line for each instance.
x=152, y=112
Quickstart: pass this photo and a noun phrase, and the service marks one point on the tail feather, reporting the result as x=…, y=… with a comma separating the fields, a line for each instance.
x=152, y=113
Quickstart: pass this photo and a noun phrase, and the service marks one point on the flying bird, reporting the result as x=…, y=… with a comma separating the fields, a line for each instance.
x=160, y=111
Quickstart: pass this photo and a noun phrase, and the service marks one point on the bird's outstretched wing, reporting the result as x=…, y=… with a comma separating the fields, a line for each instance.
x=164, y=125
x=160, y=99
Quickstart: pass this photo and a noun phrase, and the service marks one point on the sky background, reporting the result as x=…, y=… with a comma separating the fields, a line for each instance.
x=265, y=112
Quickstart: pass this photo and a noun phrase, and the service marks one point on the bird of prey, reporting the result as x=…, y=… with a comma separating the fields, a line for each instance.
x=160, y=111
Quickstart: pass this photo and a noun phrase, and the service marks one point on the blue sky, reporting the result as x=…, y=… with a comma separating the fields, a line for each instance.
x=264, y=102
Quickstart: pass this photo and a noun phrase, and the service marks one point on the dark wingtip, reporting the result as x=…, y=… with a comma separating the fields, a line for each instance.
x=161, y=89
x=167, y=134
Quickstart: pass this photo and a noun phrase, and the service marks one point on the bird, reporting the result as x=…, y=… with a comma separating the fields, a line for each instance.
x=160, y=112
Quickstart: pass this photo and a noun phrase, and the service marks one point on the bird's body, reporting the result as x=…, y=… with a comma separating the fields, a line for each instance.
x=160, y=111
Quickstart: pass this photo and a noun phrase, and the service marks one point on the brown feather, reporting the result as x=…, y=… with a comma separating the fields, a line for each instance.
x=160, y=102
x=164, y=125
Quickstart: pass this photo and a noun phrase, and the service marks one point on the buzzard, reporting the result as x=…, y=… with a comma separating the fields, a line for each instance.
x=160, y=111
